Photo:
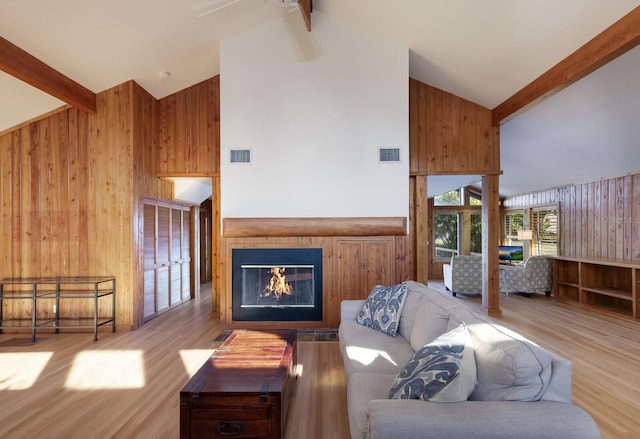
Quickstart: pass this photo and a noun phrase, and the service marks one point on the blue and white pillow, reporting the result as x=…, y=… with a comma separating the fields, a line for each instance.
x=442, y=371
x=381, y=311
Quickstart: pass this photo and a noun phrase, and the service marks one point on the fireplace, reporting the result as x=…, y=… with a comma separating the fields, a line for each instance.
x=277, y=284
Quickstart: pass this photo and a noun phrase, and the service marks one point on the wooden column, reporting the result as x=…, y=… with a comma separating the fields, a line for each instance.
x=421, y=238
x=490, y=240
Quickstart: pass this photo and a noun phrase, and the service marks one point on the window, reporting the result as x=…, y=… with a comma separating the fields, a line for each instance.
x=446, y=232
x=513, y=221
x=475, y=199
x=544, y=223
x=476, y=233
x=451, y=198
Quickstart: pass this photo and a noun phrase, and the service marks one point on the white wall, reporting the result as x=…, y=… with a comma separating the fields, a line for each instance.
x=314, y=126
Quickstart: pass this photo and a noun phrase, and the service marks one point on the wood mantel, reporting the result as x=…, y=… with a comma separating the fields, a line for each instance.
x=348, y=226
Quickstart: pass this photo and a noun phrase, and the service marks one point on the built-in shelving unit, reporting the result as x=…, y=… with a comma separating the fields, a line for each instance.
x=608, y=284
x=42, y=303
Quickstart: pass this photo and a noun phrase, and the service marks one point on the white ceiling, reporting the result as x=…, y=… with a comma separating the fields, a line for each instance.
x=483, y=51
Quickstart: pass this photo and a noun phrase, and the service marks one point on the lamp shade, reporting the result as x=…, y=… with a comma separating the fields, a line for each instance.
x=525, y=235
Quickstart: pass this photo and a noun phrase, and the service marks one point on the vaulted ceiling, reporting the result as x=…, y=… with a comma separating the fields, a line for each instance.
x=482, y=51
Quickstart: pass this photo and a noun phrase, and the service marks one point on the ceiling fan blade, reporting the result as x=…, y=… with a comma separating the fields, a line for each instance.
x=218, y=8
x=303, y=40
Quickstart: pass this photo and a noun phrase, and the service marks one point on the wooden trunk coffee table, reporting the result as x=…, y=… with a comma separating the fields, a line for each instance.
x=244, y=389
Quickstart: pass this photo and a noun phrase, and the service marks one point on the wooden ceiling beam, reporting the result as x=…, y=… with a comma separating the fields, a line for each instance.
x=24, y=66
x=306, y=7
x=617, y=39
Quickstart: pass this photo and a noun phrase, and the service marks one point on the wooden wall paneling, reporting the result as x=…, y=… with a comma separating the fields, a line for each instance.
x=598, y=219
x=179, y=151
x=80, y=135
x=350, y=269
x=437, y=140
x=414, y=128
x=213, y=135
x=30, y=217
x=17, y=236
x=61, y=168
x=449, y=135
x=189, y=130
x=597, y=248
x=47, y=195
x=585, y=221
x=635, y=221
x=623, y=210
x=379, y=262
x=197, y=121
x=433, y=124
x=612, y=220
x=166, y=129
x=5, y=204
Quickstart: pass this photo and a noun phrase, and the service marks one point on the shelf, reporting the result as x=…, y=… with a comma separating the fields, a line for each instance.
x=610, y=292
x=606, y=284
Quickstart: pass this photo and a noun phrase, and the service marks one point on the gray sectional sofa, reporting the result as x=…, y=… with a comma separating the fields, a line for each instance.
x=522, y=390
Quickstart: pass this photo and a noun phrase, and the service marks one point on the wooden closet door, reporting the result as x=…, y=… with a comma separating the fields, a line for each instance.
x=149, y=308
x=176, y=256
x=163, y=262
x=186, y=255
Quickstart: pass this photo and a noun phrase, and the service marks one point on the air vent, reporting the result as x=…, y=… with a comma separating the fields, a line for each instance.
x=240, y=156
x=389, y=155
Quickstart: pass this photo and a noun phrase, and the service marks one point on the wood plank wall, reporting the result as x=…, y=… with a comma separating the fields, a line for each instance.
x=72, y=184
x=450, y=135
x=66, y=197
x=599, y=219
x=189, y=140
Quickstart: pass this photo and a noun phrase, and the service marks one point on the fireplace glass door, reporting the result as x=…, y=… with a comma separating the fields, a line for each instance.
x=277, y=284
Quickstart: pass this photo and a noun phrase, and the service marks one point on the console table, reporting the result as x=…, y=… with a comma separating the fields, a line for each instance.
x=44, y=298
x=608, y=284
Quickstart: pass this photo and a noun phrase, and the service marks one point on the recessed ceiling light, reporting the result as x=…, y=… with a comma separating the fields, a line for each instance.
x=164, y=74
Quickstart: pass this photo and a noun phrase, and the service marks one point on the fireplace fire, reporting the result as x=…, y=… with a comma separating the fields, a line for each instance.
x=277, y=284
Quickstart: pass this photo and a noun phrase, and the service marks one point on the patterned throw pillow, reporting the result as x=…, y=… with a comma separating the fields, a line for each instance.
x=381, y=311
x=442, y=371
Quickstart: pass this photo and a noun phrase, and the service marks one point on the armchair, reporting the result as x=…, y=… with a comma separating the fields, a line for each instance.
x=463, y=274
x=535, y=275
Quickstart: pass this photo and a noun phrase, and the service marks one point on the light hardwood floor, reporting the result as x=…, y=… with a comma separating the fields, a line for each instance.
x=126, y=385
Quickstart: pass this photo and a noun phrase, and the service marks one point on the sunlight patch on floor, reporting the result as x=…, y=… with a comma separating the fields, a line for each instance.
x=20, y=370
x=107, y=370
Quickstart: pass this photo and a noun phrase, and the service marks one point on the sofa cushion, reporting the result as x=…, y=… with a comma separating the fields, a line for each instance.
x=431, y=321
x=363, y=387
x=510, y=368
x=365, y=349
x=441, y=371
x=410, y=310
x=382, y=309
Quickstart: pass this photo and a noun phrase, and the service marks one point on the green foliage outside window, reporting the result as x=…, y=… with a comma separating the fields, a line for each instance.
x=451, y=198
x=446, y=235
x=476, y=233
